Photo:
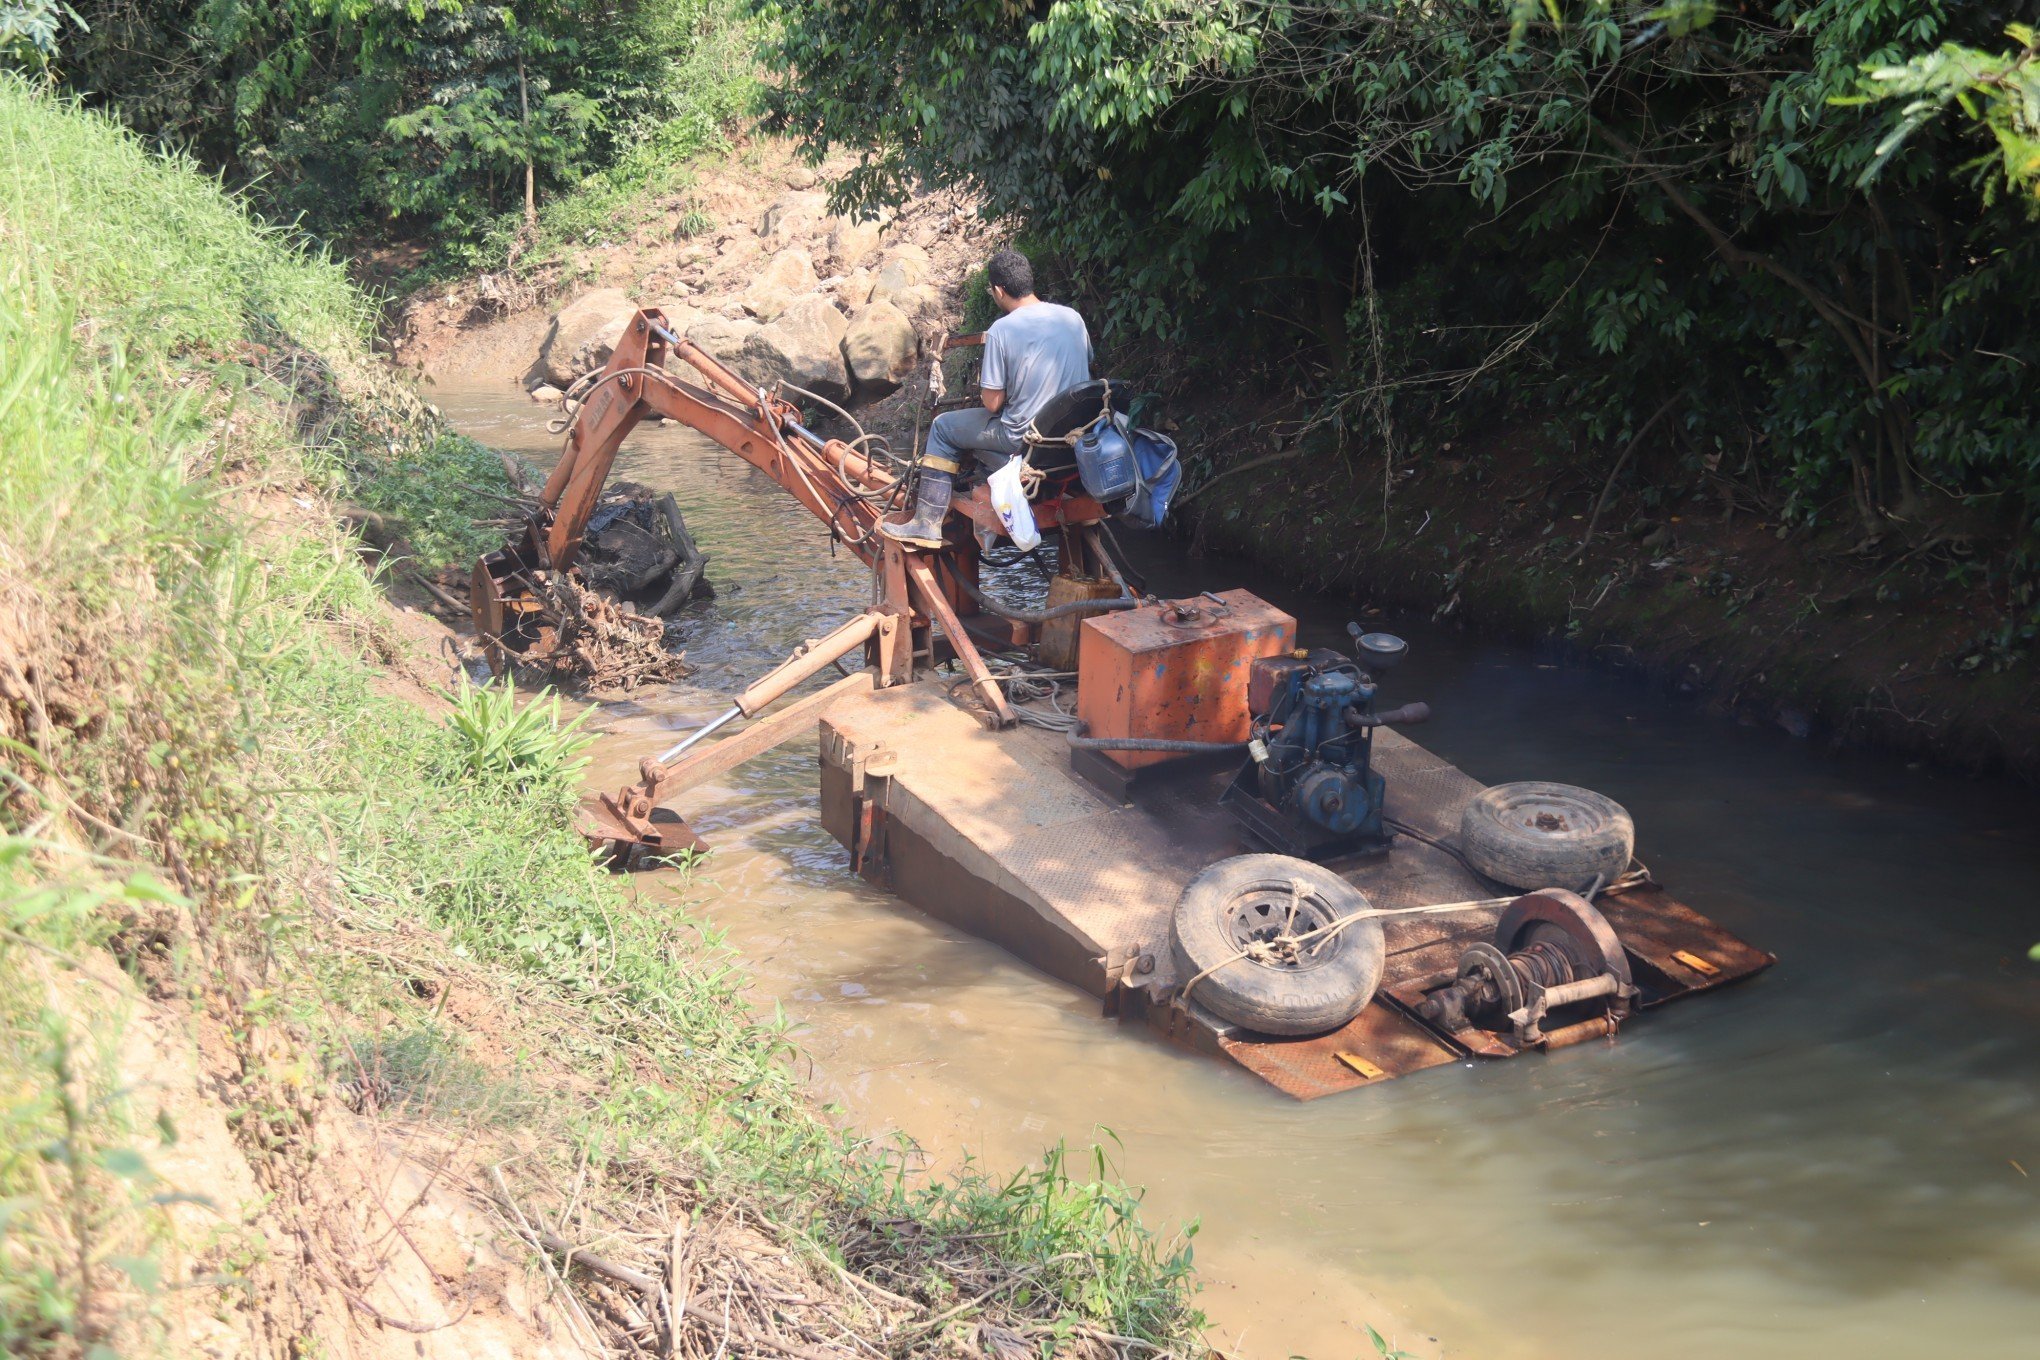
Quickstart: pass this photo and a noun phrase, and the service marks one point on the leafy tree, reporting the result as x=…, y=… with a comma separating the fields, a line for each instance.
x=1999, y=90
x=30, y=31
x=437, y=113
x=1449, y=211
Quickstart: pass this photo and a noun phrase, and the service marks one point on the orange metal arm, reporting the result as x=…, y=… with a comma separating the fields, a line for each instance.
x=634, y=386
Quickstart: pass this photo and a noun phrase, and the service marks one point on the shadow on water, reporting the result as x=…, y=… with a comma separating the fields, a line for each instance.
x=1823, y=1161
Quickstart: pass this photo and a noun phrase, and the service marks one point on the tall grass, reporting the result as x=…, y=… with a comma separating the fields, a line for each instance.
x=205, y=701
x=151, y=246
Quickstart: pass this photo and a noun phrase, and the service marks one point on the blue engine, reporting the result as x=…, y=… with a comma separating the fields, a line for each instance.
x=1309, y=787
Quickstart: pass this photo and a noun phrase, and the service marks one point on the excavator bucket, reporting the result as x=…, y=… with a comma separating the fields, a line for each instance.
x=623, y=841
x=485, y=600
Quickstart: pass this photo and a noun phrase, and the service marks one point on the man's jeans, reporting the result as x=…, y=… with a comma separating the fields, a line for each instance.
x=957, y=432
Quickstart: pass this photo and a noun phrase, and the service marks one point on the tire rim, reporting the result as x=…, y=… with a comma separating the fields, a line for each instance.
x=1259, y=916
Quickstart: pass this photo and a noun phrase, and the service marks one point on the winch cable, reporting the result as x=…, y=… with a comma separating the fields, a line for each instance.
x=1272, y=950
x=1027, y=685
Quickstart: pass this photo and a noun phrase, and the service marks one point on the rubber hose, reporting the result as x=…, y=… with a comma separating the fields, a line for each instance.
x=1408, y=713
x=1163, y=744
x=1061, y=611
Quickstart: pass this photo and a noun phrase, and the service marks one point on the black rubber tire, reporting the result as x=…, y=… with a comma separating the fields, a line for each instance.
x=1319, y=996
x=1583, y=834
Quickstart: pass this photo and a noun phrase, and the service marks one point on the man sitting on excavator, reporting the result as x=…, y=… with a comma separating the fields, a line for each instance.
x=1035, y=351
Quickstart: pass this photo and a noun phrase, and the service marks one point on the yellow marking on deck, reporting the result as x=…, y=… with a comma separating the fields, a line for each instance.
x=1361, y=1065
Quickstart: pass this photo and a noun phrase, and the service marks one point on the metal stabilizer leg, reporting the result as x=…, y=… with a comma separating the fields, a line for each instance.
x=622, y=827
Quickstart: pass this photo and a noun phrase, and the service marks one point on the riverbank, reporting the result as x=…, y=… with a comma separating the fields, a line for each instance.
x=1701, y=596
x=342, y=1042
x=1428, y=1190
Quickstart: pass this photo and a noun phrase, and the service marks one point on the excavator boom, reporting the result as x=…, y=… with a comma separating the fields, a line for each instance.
x=652, y=372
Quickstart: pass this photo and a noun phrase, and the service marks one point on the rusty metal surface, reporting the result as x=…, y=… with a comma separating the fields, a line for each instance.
x=1656, y=928
x=1379, y=1038
x=1080, y=886
x=1176, y=670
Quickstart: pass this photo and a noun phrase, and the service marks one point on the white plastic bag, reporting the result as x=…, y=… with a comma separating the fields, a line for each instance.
x=1009, y=498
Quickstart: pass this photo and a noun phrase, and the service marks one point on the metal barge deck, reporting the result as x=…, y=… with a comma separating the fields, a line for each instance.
x=991, y=831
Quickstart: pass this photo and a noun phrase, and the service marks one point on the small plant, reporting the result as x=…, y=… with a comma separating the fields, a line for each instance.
x=524, y=747
x=1381, y=1347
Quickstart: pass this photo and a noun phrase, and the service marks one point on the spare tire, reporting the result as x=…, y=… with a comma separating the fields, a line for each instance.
x=1258, y=900
x=1535, y=834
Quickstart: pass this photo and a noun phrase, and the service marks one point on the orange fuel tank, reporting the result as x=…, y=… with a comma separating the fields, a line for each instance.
x=1176, y=670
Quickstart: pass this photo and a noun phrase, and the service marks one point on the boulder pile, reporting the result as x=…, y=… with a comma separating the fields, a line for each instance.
x=831, y=305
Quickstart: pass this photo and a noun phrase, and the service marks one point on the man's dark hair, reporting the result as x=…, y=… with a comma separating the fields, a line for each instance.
x=1010, y=270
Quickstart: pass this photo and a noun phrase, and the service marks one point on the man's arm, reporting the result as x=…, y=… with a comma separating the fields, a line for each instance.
x=992, y=371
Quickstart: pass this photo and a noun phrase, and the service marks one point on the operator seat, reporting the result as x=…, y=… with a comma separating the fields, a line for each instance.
x=1070, y=409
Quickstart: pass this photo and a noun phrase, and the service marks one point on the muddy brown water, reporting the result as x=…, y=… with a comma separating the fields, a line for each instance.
x=1835, y=1159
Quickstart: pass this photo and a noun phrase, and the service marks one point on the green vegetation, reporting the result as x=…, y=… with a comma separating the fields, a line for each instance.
x=189, y=696
x=1743, y=230
x=357, y=116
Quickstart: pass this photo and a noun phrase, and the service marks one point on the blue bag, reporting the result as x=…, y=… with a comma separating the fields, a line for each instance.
x=1159, y=474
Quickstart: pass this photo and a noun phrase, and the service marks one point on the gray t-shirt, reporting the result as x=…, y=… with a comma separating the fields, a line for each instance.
x=1031, y=354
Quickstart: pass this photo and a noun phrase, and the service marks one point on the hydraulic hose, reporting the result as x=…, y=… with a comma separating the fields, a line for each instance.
x=1124, y=600
x=1167, y=745
x=1407, y=714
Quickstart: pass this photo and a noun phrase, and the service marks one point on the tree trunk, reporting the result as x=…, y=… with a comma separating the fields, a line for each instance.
x=530, y=175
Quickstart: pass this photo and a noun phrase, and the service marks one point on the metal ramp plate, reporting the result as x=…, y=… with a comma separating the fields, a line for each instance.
x=1097, y=880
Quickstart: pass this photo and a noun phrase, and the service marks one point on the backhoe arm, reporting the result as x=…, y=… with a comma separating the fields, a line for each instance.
x=840, y=486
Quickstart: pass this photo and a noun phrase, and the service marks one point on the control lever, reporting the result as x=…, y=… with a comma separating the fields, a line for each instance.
x=1407, y=715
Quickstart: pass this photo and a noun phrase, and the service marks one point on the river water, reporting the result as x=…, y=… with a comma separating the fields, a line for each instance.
x=1835, y=1159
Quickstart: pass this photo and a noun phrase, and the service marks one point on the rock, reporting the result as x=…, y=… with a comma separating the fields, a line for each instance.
x=809, y=337
x=917, y=301
x=792, y=269
x=800, y=177
x=733, y=257
x=880, y=349
x=854, y=291
x=901, y=267
x=582, y=335
x=546, y=394
x=743, y=347
x=788, y=217
x=680, y=316
x=785, y=277
x=851, y=243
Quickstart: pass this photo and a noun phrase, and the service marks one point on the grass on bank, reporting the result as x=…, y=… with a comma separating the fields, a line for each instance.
x=197, y=752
